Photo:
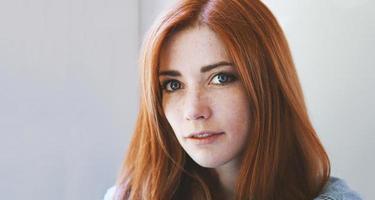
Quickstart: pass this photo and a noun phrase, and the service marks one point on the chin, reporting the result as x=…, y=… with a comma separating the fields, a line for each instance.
x=208, y=163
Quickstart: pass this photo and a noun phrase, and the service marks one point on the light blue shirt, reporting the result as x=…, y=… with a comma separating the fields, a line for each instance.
x=338, y=189
x=335, y=189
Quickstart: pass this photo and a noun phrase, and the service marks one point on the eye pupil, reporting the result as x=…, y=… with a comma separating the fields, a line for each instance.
x=222, y=78
x=175, y=85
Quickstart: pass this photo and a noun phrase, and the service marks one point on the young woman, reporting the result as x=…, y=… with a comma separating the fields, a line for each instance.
x=222, y=114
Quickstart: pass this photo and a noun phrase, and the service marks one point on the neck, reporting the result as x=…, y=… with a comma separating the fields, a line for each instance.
x=228, y=174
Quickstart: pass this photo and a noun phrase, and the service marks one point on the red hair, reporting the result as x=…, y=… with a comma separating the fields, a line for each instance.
x=284, y=158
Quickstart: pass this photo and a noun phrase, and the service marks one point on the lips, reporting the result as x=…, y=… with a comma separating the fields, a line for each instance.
x=203, y=134
x=205, y=138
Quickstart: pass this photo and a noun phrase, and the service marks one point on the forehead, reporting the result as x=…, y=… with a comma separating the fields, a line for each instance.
x=192, y=48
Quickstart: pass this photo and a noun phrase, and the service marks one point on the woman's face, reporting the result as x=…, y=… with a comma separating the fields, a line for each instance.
x=202, y=93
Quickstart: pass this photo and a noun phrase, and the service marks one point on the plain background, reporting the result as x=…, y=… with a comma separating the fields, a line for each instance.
x=69, y=89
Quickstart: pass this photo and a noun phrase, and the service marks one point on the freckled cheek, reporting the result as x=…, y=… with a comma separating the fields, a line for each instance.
x=172, y=111
x=229, y=107
x=233, y=99
x=232, y=109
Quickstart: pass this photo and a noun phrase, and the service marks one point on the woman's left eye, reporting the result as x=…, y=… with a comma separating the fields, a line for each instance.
x=222, y=78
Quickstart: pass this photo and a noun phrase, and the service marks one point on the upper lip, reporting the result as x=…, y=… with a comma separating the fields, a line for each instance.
x=203, y=132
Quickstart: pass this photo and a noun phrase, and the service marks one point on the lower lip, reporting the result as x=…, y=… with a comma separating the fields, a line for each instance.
x=206, y=140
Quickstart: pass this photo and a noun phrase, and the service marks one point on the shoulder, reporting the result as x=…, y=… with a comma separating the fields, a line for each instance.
x=337, y=189
x=110, y=194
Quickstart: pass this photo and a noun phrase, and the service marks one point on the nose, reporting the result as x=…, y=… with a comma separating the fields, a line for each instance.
x=196, y=106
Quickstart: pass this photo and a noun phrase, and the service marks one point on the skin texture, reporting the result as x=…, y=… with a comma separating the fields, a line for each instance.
x=196, y=101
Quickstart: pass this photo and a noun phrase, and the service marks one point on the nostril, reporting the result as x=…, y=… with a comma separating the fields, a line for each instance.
x=198, y=113
x=196, y=117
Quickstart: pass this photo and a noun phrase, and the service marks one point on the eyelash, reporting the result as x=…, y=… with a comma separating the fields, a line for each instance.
x=231, y=78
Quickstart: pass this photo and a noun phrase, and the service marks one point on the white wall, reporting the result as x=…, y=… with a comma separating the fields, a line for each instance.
x=67, y=96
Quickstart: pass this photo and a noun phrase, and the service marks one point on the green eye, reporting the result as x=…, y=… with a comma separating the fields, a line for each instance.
x=171, y=85
x=222, y=78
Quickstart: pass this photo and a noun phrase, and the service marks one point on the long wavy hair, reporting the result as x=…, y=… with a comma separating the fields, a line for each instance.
x=283, y=159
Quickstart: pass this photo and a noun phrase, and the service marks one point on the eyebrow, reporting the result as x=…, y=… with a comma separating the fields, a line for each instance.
x=203, y=69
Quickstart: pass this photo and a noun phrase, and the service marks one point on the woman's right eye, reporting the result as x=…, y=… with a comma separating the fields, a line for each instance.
x=171, y=85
